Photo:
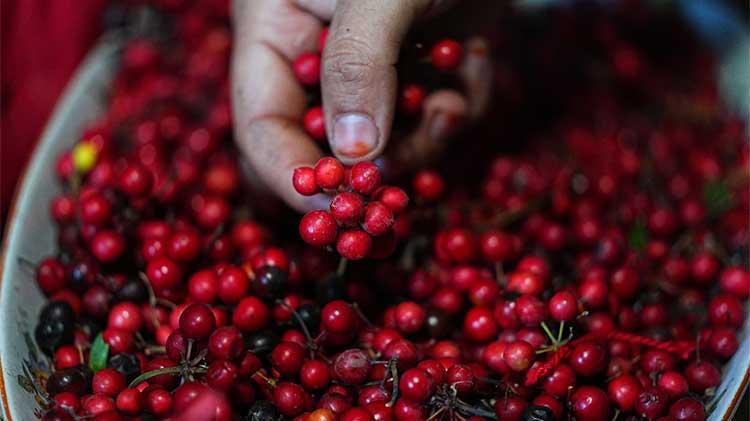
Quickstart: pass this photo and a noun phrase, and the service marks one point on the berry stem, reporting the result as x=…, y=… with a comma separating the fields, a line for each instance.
x=341, y=270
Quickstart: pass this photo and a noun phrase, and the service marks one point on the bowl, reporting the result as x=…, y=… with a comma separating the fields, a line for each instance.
x=30, y=236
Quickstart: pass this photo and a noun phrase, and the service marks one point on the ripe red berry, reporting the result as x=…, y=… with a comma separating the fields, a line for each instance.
x=589, y=403
x=416, y=385
x=338, y=317
x=125, y=316
x=108, y=381
x=428, y=185
x=519, y=355
x=351, y=367
x=303, y=180
x=225, y=343
x=108, y=246
x=623, y=391
x=479, y=325
x=353, y=244
x=307, y=68
x=410, y=317
x=314, y=123
x=393, y=197
x=446, y=54
x=329, y=173
x=563, y=306
x=251, y=314
x=588, y=359
x=314, y=375
x=50, y=276
x=136, y=181
x=411, y=99
x=378, y=219
x=289, y=398
x=688, y=409
x=163, y=273
x=95, y=210
x=365, y=177
x=347, y=208
x=318, y=228
x=197, y=321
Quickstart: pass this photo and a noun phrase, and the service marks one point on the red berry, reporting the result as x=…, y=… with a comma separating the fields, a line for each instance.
x=410, y=317
x=250, y=315
x=163, y=273
x=108, y=246
x=563, y=306
x=353, y=244
x=50, y=276
x=307, y=68
x=197, y=321
x=287, y=358
x=446, y=54
x=225, y=343
x=587, y=359
x=519, y=355
x=314, y=375
x=365, y=177
x=393, y=197
x=688, y=409
x=289, y=398
x=318, y=228
x=125, y=316
x=347, y=208
x=322, y=39
x=329, y=173
x=108, y=381
x=303, y=180
x=378, y=219
x=624, y=391
x=589, y=403
x=351, y=367
x=428, y=185
x=136, y=181
x=314, y=123
x=411, y=99
x=479, y=325
x=95, y=210
x=338, y=317
x=416, y=385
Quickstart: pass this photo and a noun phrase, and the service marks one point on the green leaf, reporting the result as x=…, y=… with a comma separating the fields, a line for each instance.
x=99, y=354
x=717, y=197
x=638, y=236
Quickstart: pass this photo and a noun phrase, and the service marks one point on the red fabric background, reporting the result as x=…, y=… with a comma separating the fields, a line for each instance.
x=42, y=43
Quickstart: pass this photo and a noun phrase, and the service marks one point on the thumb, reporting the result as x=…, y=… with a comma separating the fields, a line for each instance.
x=359, y=77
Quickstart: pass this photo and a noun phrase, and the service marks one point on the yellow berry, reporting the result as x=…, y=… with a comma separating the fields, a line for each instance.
x=84, y=157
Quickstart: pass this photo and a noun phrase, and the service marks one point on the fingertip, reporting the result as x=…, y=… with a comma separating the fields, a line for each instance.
x=476, y=73
x=354, y=138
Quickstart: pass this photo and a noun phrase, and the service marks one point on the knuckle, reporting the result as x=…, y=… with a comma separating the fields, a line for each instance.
x=349, y=62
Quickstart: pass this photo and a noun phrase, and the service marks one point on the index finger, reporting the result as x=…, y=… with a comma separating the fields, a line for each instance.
x=268, y=101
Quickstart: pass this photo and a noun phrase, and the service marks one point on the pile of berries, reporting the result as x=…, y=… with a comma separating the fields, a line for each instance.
x=359, y=201
x=598, y=272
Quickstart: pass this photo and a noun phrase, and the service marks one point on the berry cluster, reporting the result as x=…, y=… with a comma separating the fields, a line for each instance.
x=598, y=272
x=361, y=209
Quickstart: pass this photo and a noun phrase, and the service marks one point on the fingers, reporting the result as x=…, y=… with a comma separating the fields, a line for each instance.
x=476, y=74
x=358, y=74
x=267, y=99
x=445, y=112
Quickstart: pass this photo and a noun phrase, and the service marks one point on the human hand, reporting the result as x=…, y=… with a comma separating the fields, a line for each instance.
x=358, y=82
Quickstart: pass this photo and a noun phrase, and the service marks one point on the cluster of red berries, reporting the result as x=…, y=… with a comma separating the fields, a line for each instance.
x=361, y=209
x=599, y=274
